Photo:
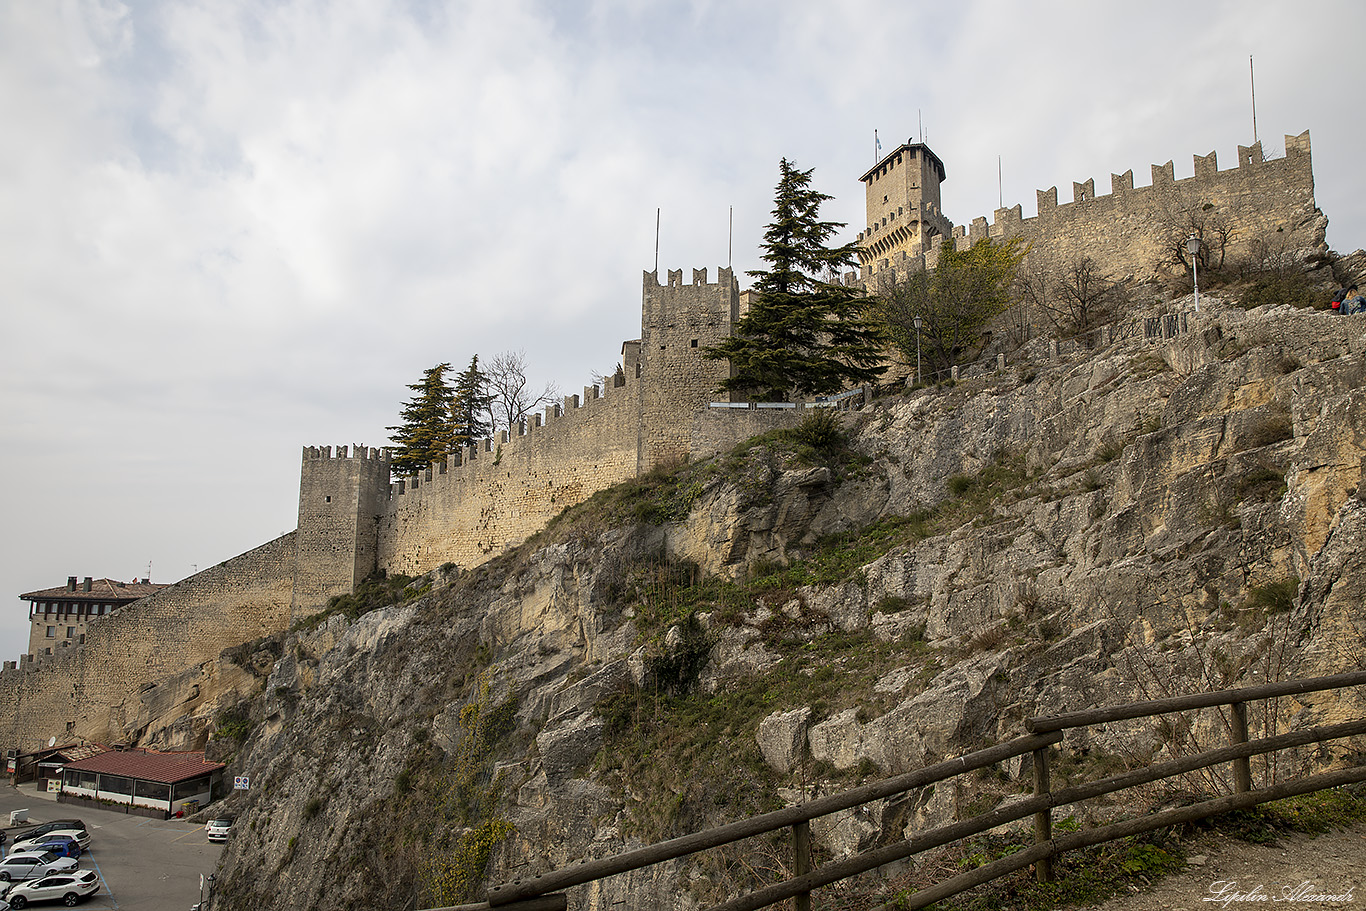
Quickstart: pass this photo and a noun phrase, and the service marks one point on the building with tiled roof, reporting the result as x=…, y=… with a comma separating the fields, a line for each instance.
x=58, y=616
x=47, y=764
x=168, y=782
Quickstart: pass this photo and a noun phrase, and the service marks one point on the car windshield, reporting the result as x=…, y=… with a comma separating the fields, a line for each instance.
x=220, y=823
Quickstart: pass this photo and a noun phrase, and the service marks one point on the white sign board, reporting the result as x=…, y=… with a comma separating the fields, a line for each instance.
x=54, y=786
x=241, y=783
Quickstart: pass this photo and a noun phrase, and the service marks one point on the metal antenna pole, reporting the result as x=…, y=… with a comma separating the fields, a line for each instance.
x=656, y=240
x=730, y=237
x=1252, y=80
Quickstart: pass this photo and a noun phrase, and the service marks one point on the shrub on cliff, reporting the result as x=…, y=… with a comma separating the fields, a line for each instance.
x=937, y=316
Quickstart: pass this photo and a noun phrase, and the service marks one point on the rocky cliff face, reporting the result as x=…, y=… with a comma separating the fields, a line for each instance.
x=1145, y=518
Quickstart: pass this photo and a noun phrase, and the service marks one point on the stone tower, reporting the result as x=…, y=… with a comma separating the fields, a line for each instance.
x=902, y=206
x=677, y=322
x=341, y=499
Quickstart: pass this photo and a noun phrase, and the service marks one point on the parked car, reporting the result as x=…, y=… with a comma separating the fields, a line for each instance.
x=67, y=888
x=27, y=841
x=23, y=865
x=61, y=845
x=47, y=827
x=218, y=828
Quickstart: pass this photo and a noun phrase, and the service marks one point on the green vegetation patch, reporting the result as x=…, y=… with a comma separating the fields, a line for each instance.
x=691, y=759
x=376, y=591
x=431, y=836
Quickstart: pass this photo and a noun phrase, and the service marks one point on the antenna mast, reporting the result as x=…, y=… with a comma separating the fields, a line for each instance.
x=656, y=240
x=1252, y=81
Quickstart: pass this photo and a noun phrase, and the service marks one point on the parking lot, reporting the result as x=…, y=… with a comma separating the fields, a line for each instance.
x=144, y=864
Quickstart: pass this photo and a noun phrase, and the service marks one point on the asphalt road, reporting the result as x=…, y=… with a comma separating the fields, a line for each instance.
x=144, y=864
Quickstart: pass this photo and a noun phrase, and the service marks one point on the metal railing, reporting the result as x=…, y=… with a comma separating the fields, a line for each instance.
x=543, y=892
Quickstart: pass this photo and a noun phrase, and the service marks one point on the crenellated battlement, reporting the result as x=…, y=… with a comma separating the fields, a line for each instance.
x=495, y=492
x=1125, y=230
x=361, y=453
x=725, y=278
x=529, y=439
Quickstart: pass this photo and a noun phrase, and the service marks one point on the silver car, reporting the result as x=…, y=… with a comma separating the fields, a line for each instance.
x=32, y=864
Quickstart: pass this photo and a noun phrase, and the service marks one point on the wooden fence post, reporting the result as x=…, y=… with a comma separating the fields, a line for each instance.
x=1043, y=820
x=1242, y=768
x=801, y=859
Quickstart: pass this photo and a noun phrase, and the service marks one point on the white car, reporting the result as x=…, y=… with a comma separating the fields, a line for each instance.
x=80, y=836
x=218, y=828
x=33, y=864
x=67, y=888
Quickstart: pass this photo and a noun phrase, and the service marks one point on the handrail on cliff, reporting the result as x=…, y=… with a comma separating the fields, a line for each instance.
x=543, y=891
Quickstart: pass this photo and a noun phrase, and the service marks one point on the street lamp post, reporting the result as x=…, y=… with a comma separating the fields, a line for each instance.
x=1193, y=248
x=917, y=322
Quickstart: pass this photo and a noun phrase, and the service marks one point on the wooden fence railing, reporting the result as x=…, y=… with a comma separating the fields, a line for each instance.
x=543, y=892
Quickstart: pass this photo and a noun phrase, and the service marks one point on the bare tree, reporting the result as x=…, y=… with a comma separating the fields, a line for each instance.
x=1207, y=222
x=512, y=397
x=1076, y=297
x=1083, y=296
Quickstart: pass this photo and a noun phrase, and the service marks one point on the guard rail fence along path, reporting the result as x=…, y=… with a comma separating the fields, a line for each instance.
x=544, y=892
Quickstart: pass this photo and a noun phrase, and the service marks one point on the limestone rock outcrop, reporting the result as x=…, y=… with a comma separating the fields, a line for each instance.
x=1152, y=516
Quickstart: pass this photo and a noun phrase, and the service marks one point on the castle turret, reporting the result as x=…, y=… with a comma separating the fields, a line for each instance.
x=678, y=322
x=902, y=206
x=341, y=499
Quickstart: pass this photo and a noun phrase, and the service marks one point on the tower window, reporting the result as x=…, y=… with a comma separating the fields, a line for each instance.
x=327, y=499
x=694, y=343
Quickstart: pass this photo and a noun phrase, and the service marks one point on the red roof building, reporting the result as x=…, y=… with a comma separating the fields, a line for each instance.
x=170, y=782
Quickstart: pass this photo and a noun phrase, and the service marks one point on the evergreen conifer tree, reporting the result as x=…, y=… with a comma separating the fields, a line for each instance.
x=427, y=433
x=803, y=333
x=470, y=406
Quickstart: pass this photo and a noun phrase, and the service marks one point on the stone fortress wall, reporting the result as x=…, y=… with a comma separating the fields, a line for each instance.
x=353, y=520
x=93, y=690
x=492, y=495
x=1127, y=232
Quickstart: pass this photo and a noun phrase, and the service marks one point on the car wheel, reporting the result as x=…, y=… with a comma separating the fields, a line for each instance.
x=18, y=901
x=70, y=899
x=4, y=876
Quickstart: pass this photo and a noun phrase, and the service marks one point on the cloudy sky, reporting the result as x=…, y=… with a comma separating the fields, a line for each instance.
x=229, y=228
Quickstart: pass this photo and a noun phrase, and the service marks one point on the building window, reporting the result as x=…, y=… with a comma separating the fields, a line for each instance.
x=71, y=632
x=327, y=499
x=694, y=343
x=51, y=632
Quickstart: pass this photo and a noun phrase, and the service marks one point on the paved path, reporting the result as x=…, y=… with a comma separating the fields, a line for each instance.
x=1327, y=871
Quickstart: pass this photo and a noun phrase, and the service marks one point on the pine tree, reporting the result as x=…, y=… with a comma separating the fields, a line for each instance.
x=427, y=433
x=803, y=333
x=470, y=407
